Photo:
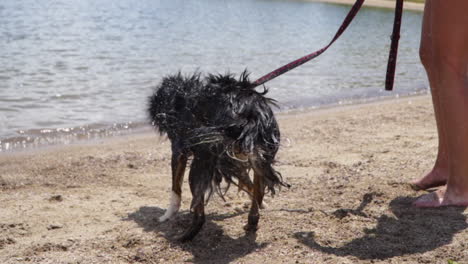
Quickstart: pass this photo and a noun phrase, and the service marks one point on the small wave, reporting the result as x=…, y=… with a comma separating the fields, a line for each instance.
x=17, y=100
x=60, y=65
x=48, y=123
x=2, y=109
x=67, y=96
x=82, y=68
x=37, y=138
x=60, y=50
x=29, y=106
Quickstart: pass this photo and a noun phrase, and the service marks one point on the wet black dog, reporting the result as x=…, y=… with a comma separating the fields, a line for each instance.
x=229, y=128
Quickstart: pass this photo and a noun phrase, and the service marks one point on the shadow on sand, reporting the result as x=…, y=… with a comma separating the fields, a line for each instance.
x=211, y=245
x=411, y=231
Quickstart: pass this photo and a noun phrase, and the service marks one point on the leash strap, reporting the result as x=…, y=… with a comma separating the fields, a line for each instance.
x=392, y=57
x=351, y=14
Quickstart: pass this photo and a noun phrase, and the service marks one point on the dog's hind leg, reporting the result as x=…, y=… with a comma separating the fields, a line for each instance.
x=246, y=185
x=178, y=164
x=200, y=178
x=197, y=222
x=257, y=200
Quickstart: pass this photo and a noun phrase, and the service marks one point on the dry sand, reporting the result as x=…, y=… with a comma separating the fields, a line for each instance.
x=379, y=3
x=349, y=201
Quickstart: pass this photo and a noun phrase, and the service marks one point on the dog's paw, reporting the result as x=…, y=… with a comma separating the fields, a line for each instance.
x=167, y=215
x=251, y=228
x=174, y=207
x=164, y=218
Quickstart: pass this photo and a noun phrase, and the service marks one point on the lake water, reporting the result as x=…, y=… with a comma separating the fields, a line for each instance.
x=81, y=69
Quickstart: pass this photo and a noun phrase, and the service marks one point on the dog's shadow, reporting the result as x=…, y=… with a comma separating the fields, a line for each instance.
x=411, y=231
x=211, y=245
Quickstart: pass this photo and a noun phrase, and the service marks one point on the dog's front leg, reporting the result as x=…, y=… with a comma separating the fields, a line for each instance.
x=178, y=164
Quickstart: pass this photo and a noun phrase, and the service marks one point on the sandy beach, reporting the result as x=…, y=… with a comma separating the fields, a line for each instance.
x=98, y=202
x=379, y=3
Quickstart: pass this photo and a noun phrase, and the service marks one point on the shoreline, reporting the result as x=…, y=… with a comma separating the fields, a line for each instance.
x=12, y=145
x=378, y=3
x=145, y=132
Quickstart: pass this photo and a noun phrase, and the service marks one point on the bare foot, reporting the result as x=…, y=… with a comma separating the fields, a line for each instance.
x=440, y=198
x=437, y=177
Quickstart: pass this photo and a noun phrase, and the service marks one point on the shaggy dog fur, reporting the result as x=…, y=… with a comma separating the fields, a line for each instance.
x=228, y=128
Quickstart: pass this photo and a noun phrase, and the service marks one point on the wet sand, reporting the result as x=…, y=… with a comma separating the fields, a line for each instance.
x=349, y=202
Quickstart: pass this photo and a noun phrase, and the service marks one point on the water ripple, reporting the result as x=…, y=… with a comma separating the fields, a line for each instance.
x=71, y=63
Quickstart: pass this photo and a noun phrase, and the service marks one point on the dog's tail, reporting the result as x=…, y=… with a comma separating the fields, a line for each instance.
x=271, y=177
x=260, y=138
x=249, y=126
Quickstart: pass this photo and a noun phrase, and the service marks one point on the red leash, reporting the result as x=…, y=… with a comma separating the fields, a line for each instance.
x=351, y=14
x=392, y=57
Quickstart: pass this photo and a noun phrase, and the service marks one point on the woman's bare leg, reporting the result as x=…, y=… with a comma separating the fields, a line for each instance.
x=447, y=69
x=439, y=174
